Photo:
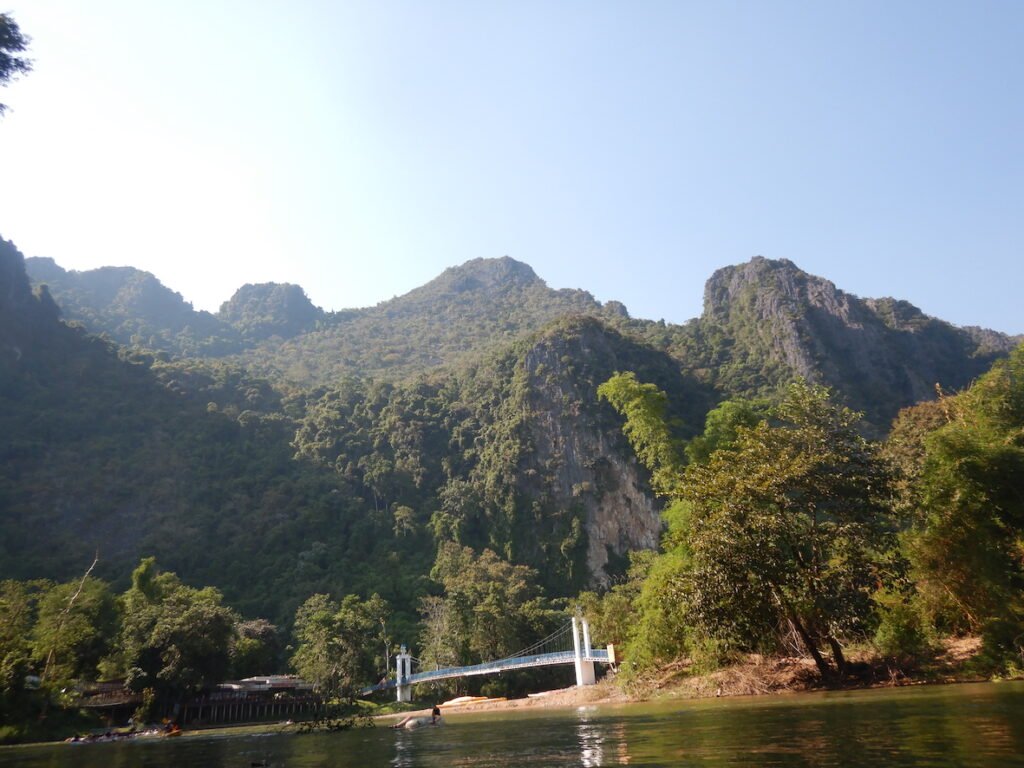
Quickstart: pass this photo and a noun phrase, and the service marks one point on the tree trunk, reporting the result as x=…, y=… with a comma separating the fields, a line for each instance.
x=794, y=620
x=823, y=666
x=837, y=654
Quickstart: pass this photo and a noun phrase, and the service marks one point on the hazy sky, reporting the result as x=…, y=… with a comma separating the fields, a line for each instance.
x=628, y=148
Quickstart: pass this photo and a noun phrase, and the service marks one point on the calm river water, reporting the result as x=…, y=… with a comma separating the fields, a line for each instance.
x=962, y=725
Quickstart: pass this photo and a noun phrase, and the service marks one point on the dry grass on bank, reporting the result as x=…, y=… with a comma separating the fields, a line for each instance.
x=756, y=675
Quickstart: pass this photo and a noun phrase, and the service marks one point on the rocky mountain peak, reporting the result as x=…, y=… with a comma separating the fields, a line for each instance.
x=489, y=275
x=770, y=285
x=878, y=352
x=262, y=310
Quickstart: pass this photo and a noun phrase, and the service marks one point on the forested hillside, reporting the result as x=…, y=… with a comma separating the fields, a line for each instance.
x=350, y=488
x=134, y=309
x=291, y=466
x=468, y=310
x=110, y=451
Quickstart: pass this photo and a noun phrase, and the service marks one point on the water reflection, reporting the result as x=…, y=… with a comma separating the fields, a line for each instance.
x=618, y=730
x=590, y=735
x=403, y=750
x=976, y=726
x=602, y=740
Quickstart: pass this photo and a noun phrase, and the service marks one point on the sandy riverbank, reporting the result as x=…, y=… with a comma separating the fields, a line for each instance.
x=755, y=675
x=605, y=692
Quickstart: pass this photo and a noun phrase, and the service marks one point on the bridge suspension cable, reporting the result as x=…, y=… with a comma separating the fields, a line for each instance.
x=562, y=646
x=559, y=640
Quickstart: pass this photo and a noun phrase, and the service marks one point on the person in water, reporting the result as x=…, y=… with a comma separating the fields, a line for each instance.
x=415, y=721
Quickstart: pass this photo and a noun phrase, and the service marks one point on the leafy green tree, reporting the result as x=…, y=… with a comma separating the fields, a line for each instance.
x=17, y=615
x=378, y=614
x=490, y=608
x=722, y=425
x=443, y=637
x=790, y=529
x=645, y=408
x=256, y=649
x=967, y=544
x=338, y=643
x=12, y=43
x=76, y=628
x=314, y=634
x=645, y=614
x=904, y=449
x=175, y=639
x=775, y=530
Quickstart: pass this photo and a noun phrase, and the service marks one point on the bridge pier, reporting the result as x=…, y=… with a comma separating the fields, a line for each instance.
x=585, y=674
x=403, y=671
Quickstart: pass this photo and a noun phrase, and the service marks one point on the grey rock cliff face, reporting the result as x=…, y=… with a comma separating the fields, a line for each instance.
x=579, y=442
x=777, y=305
x=880, y=354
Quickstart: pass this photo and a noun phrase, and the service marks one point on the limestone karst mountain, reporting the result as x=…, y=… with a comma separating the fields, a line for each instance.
x=291, y=450
x=763, y=323
x=267, y=310
x=766, y=321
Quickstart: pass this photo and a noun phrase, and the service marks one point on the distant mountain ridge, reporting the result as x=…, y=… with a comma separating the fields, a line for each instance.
x=134, y=309
x=763, y=323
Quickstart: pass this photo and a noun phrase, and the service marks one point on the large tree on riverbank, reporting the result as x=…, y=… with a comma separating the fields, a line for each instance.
x=790, y=528
x=339, y=644
x=175, y=639
x=967, y=511
x=782, y=532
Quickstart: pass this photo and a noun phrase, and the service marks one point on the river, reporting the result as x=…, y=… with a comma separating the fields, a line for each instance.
x=954, y=725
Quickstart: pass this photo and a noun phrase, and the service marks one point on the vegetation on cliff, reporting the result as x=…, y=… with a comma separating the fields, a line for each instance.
x=799, y=535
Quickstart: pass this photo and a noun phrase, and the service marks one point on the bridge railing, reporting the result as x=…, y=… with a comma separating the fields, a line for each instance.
x=503, y=665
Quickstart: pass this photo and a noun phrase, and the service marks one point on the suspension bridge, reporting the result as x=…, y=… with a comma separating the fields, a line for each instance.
x=569, y=644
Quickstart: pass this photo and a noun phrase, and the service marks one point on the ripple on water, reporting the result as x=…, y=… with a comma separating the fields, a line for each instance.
x=979, y=726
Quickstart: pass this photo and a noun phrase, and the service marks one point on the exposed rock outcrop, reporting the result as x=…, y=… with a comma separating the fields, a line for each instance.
x=881, y=354
x=578, y=440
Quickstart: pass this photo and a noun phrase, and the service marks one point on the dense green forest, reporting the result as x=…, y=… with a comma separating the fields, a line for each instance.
x=449, y=469
x=795, y=534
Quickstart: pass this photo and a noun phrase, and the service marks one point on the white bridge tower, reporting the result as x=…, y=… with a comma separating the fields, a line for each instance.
x=403, y=671
x=584, y=658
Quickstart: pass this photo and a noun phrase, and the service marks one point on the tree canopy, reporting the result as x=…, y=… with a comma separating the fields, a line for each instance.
x=967, y=536
x=12, y=44
x=778, y=529
x=789, y=529
x=342, y=646
x=175, y=639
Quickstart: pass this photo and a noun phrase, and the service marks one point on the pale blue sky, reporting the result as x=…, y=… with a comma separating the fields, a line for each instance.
x=628, y=148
